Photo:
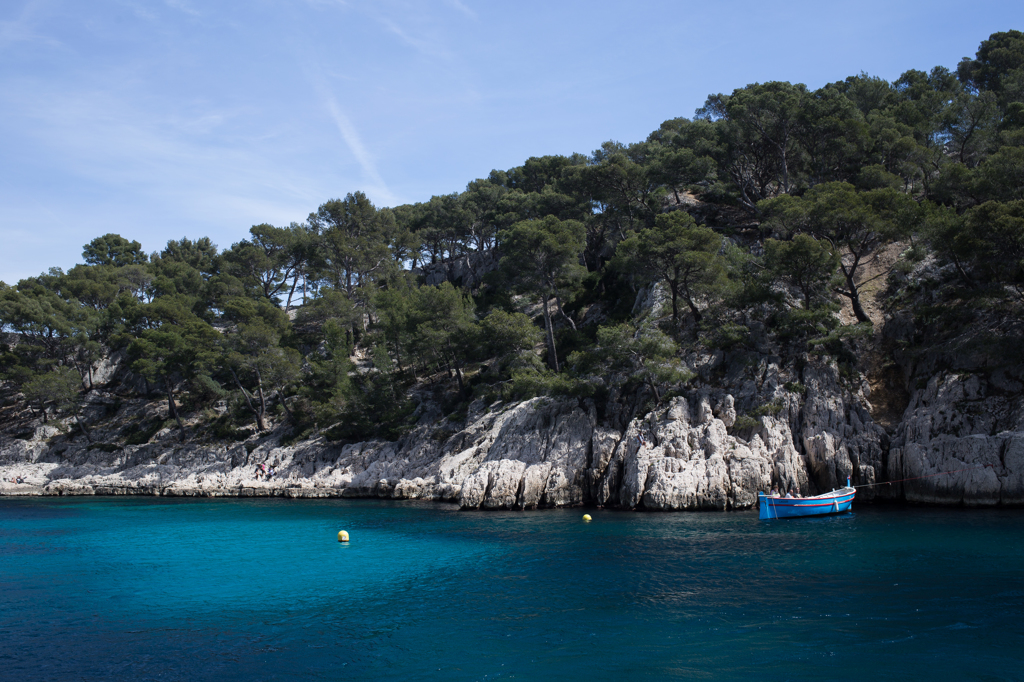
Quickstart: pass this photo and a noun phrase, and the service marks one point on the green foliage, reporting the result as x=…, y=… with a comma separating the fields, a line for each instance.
x=744, y=424
x=876, y=176
x=727, y=336
x=624, y=353
x=394, y=307
x=541, y=258
x=760, y=123
x=805, y=263
x=832, y=175
x=986, y=243
x=850, y=222
x=771, y=409
x=802, y=325
x=511, y=338
x=113, y=249
x=530, y=383
x=140, y=433
x=833, y=342
x=174, y=346
x=259, y=311
x=446, y=326
x=53, y=330
x=260, y=366
x=59, y=388
x=328, y=306
x=685, y=256
x=795, y=387
x=380, y=410
x=200, y=255
x=353, y=241
x=998, y=66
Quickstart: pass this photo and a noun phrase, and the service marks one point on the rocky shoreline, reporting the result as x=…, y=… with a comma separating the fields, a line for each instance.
x=545, y=452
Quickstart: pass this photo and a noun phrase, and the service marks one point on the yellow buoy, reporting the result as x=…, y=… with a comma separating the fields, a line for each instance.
x=586, y=517
x=342, y=536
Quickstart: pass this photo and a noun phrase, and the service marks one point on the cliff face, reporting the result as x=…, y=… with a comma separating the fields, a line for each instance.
x=969, y=422
x=539, y=453
x=547, y=453
x=961, y=438
x=749, y=420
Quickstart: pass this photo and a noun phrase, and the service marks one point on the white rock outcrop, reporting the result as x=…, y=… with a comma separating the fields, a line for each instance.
x=538, y=453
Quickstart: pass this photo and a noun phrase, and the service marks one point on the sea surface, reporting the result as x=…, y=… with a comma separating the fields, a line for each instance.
x=154, y=589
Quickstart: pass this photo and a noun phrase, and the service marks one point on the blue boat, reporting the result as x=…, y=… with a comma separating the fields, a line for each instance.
x=835, y=502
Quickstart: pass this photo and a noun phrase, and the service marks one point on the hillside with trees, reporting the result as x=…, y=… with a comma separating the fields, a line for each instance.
x=873, y=227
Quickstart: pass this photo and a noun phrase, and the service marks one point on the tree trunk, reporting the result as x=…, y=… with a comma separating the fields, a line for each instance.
x=172, y=410
x=654, y=389
x=284, y=404
x=260, y=423
x=248, y=401
x=858, y=310
x=291, y=292
x=785, y=172
x=963, y=273
x=558, y=303
x=458, y=371
x=85, y=431
x=398, y=359
x=853, y=294
x=697, y=317
x=553, y=360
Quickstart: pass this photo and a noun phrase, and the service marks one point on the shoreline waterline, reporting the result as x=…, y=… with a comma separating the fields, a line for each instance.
x=322, y=493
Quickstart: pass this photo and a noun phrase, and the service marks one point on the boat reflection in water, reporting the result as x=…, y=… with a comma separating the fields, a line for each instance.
x=835, y=502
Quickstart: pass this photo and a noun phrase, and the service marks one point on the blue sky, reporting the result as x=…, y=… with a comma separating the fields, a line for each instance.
x=158, y=119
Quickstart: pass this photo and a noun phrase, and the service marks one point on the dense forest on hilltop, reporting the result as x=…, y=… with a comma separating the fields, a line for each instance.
x=766, y=209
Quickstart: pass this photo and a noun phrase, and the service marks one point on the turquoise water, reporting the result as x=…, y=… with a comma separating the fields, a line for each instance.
x=143, y=588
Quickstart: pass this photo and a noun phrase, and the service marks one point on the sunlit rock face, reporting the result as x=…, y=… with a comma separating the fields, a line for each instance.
x=533, y=454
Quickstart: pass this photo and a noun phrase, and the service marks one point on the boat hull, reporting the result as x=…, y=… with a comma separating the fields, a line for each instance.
x=835, y=502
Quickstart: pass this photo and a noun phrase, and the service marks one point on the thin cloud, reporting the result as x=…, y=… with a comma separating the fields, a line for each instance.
x=327, y=3
x=355, y=145
x=182, y=6
x=20, y=30
x=461, y=7
x=416, y=25
x=349, y=134
x=168, y=162
x=428, y=46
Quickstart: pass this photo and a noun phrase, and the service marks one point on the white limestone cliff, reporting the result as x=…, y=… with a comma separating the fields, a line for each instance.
x=542, y=452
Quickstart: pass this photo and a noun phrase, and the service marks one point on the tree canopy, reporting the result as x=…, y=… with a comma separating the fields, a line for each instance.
x=761, y=211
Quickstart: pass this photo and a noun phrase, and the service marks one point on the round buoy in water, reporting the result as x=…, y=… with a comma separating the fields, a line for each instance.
x=586, y=517
x=342, y=536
